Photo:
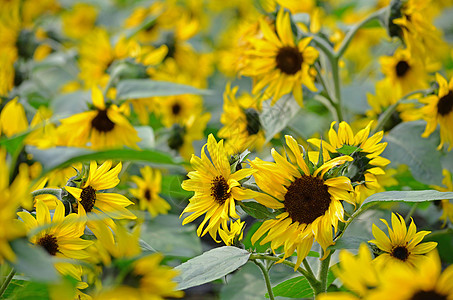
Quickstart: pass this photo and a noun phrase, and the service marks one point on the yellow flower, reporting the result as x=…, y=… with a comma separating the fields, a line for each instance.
x=229, y=235
x=7, y=59
x=178, y=109
x=216, y=188
x=104, y=127
x=405, y=72
x=13, y=119
x=365, y=152
x=79, y=21
x=147, y=191
x=92, y=200
x=11, y=197
x=439, y=110
x=402, y=244
x=242, y=127
x=276, y=62
x=309, y=198
x=447, y=206
x=44, y=134
x=61, y=238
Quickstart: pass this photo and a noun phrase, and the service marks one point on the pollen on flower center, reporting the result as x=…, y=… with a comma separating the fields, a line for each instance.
x=428, y=295
x=219, y=189
x=445, y=104
x=400, y=252
x=102, y=122
x=307, y=199
x=289, y=60
x=401, y=68
x=88, y=198
x=147, y=194
x=49, y=243
x=176, y=109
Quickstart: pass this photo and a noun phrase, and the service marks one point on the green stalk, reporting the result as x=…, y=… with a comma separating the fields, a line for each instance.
x=7, y=281
x=314, y=283
x=49, y=191
x=410, y=213
x=266, y=278
x=308, y=268
x=323, y=271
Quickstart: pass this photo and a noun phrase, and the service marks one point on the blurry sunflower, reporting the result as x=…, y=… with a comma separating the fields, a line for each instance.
x=407, y=73
x=12, y=118
x=216, y=188
x=439, y=110
x=104, y=127
x=242, y=127
x=447, y=205
x=309, y=197
x=147, y=191
x=403, y=244
x=62, y=238
x=276, y=62
x=92, y=200
x=365, y=151
x=177, y=109
x=7, y=59
x=79, y=20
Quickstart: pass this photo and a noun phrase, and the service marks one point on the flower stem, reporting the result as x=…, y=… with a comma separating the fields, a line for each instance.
x=308, y=268
x=49, y=191
x=266, y=278
x=7, y=281
x=314, y=283
x=323, y=271
x=410, y=213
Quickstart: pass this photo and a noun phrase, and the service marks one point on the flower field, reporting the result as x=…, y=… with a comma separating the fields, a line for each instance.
x=257, y=149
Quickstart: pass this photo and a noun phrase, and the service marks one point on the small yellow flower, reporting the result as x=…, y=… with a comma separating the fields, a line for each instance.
x=447, y=205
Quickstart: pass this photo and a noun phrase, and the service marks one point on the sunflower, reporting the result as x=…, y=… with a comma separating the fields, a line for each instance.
x=235, y=232
x=61, y=236
x=276, y=62
x=242, y=126
x=403, y=244
x=147, y=191
x=178, y=109
x=365, y=151
x=309, y=197
x=79, y=20
x=13, y=119
x=92, y=200
x=216, y=188
x=447, y=206
x=407, y=73
x=104, y=127
x=439, y=110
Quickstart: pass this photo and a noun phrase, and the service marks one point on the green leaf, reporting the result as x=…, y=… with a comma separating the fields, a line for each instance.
x=143, y=88
x=406, y=146
x=33, y=261
x=350, y=242
x=26, y=290
x=348, y=150
x=275, y=118
x=297, y=287
x=210, y=266
x=166, y=234
x=61, y=157
x=171, y=188
x=256, y=210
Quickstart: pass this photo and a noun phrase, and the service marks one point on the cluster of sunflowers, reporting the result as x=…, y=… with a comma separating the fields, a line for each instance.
x=105, y=106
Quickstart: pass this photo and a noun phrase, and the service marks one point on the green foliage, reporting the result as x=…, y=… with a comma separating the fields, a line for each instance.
x=349, y=242
x=297, y=287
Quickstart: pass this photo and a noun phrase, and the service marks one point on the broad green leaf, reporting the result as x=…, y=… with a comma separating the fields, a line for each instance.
x=166, y=234
x=275, y=118
x=406, y=146
x=210, y=266
x=405, y=196
x=256, y=210
x=61, y=157
x=349, y=242
x=26, y=290
x=171, y=188
x=33, y=261
x=297, y=287
x=348, y=150
x=143, y=88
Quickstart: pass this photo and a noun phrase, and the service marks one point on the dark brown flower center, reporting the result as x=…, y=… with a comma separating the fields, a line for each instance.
x=307, y=199
x=49, y=243
x=219, y=189
x=289, y=60
x=147, y=194
x=401, y=68
x=176, y=109
x=88, y=198
x=400, y=252
x=102, y=122
x=445, y=104
x=428, y=295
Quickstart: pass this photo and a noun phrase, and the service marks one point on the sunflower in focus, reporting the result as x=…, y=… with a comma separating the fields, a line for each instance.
x=309, y=197
x=92, y=200
x=147, y=191
x=365, y=151
x=438, y=109
x=447, y=205
x=235, y=232
x=103, y=127
x=242, y=127
x=63, y=237
x=216, y=188
x=402, y=244
x=279, y=65
x=406, y=72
